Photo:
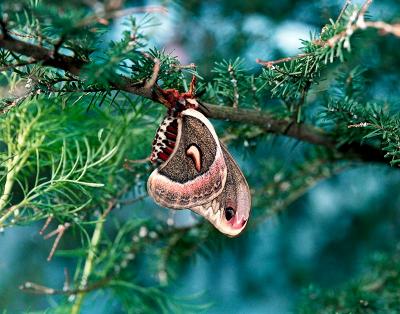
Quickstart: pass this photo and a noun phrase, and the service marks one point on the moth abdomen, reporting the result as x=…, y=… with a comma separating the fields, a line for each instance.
x=170, y=136
x=167, y=150
x=172, y=129
x=164, y=140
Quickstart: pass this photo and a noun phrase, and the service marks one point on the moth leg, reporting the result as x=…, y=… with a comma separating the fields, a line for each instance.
x=128, y=163
x=169, y=97
x=176, y=101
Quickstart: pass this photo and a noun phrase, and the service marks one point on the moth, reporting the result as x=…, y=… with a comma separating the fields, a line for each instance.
x=195, y=170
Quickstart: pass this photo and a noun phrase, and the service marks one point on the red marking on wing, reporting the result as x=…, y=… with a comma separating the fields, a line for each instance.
x=163, y=156
x=172, y=129
x=170, y=136
x=167, y=150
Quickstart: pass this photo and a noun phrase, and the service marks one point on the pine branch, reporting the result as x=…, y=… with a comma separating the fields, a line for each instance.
x=270, y=64
x=286, y=127
x=89, y=263
x=41, y=54
x=356, y=23
x=302, y=132
x=360, y=24
x=74, y=65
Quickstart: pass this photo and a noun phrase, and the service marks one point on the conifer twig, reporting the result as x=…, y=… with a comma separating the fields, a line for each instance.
x=270, y=64
x=89, y=263
x=46, y=224
x=360, y=23
x=235, y=86
x=17, y=65
x=44, y=55
x=154, y=76
x=59, y=232
x=35, y=288
x=104, y=17
x=344, y=8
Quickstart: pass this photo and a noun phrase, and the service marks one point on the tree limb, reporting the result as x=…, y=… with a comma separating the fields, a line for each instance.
x=266, y=121
x=44, y=55
x=300, y=131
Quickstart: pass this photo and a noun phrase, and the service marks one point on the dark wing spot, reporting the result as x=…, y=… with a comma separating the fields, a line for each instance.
x=229, y=213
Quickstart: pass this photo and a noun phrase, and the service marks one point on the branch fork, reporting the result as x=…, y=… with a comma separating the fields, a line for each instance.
x=59, y=232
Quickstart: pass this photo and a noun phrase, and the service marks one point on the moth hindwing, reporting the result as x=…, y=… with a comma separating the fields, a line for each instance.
x=229, y=211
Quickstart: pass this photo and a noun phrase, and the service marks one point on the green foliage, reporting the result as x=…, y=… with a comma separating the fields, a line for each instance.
x=374, y=292
x=368, y=122
x=42, y=143
x=231, y=82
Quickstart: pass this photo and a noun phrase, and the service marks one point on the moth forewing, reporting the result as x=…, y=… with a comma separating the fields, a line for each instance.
x=195, y=173
x=199, y=174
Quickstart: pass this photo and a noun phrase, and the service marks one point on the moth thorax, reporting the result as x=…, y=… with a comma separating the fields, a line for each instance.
x=164, y=140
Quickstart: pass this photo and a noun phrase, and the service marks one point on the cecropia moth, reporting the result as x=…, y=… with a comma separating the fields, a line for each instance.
x=197, y=172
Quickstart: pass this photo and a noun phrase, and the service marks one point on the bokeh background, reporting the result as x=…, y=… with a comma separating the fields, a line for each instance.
x=325, y=238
